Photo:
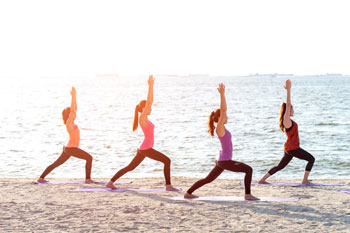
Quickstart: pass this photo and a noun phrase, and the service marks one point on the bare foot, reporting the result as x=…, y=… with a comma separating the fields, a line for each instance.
x=187, y=195
x=111, y=185
x=250, y=197
x=169, y=187
x=306, y=182
x=90, y=181
x=263, y=182
x=41, y=180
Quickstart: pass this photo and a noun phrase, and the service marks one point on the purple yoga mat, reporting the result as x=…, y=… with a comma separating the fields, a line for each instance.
x=291, y=184
x=345, y=190
x=231, y=198
x=95, y=189
x=80, y=182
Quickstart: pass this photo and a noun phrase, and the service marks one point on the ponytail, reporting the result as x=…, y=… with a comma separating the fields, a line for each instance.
x=136, y=118
x=282, y=112
x=213, y=117
x=65, y=114
x=211, y=125
x=138, y=109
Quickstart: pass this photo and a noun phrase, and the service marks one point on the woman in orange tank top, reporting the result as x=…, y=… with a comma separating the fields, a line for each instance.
x=291, y=147
x=71, y=149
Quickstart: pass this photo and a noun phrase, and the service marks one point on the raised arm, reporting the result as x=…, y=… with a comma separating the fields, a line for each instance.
x=149, y=101
x=223, y=109
x=287, y=123
x=73, y=110
x=73, y=92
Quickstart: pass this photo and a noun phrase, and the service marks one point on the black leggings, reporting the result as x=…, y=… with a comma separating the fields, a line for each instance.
x=140, y=156
x=219, y=168
x=66, y=154
x=288, y=156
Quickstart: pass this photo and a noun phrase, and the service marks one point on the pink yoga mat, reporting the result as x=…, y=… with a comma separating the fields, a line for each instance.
x=95, y=189
x=80, y=182
x=231, y=198
x=291, y=184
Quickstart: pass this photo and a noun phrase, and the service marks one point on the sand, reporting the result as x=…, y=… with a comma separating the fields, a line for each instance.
x=26, y=207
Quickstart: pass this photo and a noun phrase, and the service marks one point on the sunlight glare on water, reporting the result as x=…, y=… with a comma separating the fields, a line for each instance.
x=33, y=133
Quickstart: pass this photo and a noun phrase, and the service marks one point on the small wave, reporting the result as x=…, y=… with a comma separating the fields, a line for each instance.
x=328, y=124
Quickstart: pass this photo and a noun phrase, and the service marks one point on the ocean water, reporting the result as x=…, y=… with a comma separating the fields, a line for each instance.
x=32, y=132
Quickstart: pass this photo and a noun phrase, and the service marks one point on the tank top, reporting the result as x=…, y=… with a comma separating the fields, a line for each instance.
x=226, y=146
x=148, y=131
x=74, y=137
x=292, y=142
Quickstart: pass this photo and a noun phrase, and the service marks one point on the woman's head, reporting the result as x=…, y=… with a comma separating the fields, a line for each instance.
x=282, y=112
x=65, y=114
x=213, y=117
x=139, y=109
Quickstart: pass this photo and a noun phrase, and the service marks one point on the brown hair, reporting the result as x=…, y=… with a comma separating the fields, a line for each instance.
x=65, y=114
x=213, y=117
x=282, y=112
x=138, y=109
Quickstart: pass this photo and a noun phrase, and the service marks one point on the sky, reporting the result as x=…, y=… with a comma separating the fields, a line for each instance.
x=54, y=38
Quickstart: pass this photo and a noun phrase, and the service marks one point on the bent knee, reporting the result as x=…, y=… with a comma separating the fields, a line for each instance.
x=167, y=161
x=312, y=159
x=89, y=159
x=249, y=169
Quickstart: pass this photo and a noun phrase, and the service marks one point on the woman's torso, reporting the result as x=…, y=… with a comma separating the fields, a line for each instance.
x=74, y=137
x=226, y=146
x=148, y=131
x=292, y=142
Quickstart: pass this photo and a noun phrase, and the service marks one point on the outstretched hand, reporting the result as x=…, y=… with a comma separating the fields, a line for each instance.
x=221, y=88
x=288, y=84
x=73, y=92
x=150, y=80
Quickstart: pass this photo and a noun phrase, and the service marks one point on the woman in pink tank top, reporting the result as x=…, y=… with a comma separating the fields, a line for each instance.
x=224, y=161
x=71, y=149
x=146, y=148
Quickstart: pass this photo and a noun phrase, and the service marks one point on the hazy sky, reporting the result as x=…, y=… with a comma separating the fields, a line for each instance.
x=50, y=38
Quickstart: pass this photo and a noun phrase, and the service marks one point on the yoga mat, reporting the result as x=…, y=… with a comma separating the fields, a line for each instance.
x=231, y=198
x=95, y=189
x=291, y=184
x=345, y=190
x=80, y=182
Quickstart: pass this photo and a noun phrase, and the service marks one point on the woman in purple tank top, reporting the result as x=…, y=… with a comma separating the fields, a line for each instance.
x=146, y=148
x=225, y=161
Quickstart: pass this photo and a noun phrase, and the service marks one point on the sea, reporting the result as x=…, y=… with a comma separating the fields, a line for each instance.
x=33, y=134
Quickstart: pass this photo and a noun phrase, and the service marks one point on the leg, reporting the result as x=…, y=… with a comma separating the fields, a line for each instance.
x=63, y=158
x=304, y=155
x=76, y=152
x=214, y=173
x=283, y=163
x=156, y=155
x=132, y=165
x=239, y=167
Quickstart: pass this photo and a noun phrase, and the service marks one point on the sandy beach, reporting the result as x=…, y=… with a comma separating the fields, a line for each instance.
x=26, y=207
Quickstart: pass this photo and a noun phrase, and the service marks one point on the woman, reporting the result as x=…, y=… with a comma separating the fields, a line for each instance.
x=225, y=161
x=146, y=148
x=71, y=149
x=291, y=147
